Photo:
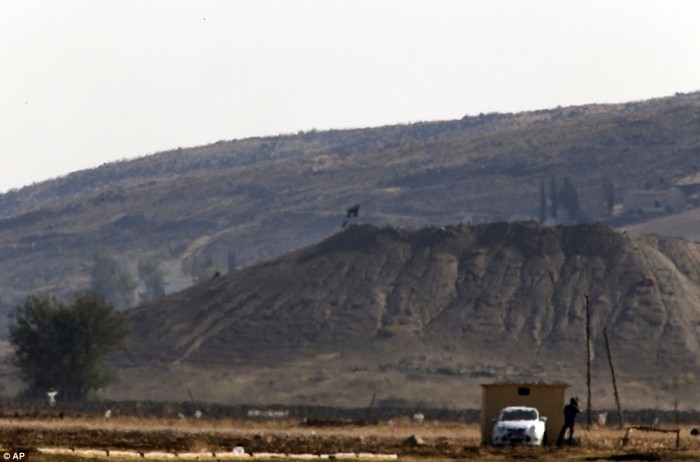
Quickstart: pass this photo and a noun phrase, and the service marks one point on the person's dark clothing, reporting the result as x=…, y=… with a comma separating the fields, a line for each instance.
x=571, y=410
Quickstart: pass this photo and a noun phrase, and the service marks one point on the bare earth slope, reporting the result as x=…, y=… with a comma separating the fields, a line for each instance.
x=425, y=316
x=685, y=224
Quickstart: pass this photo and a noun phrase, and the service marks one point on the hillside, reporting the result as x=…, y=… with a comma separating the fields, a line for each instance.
x=424, y=316
x=685, y=224
x=259, y=198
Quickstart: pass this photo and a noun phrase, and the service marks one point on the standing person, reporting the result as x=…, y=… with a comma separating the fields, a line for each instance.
x=571, y=410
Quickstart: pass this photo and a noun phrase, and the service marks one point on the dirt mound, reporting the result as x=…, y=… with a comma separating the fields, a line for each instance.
x=426, y=315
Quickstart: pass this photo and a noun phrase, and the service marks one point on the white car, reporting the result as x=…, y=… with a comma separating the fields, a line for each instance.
x=519, y=425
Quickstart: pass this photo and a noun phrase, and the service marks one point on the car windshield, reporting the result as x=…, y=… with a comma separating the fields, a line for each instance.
x=519, y=414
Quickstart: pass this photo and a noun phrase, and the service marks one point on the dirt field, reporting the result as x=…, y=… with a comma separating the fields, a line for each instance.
x=430, y=441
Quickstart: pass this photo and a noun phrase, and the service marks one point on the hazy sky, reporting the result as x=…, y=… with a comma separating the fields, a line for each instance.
x=87, y=82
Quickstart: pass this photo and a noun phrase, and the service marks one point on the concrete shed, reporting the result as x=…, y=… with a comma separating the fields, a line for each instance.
x=549, y=399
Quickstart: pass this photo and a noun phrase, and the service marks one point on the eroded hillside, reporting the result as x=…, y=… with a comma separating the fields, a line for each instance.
x=426, y=316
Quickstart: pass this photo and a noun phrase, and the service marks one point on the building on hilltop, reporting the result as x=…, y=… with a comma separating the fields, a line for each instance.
x=653, y=202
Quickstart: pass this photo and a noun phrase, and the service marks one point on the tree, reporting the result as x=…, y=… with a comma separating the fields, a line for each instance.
x=112, y=282
x=554, y=203
x=61, y=346
x=543, y=203
x=152, y=277
x=609, y=194
x=569, y=198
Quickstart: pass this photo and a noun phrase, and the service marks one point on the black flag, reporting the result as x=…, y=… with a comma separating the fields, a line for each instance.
x=353, y=211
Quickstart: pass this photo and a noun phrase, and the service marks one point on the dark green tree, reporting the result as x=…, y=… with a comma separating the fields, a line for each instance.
x=554, y=205
x=609, y=194
x=111, y=281
x=543, y=203
x=152, y=278
x=569, y=198
x=61, y=346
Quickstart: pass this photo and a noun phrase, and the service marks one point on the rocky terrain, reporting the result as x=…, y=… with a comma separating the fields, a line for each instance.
x=427, y=315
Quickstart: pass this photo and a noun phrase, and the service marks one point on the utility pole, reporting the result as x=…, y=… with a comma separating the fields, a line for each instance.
x=612, y=371
x=588, y=360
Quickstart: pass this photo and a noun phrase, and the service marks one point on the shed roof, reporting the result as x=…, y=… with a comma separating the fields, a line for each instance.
x=526, y=384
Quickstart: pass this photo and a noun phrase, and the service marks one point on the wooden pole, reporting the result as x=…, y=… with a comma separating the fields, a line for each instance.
x=588, y=360
x=675, y=411
x=612, y=371
x=369, y=409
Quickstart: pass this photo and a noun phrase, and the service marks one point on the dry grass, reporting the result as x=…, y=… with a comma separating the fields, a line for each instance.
x=441, y=440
